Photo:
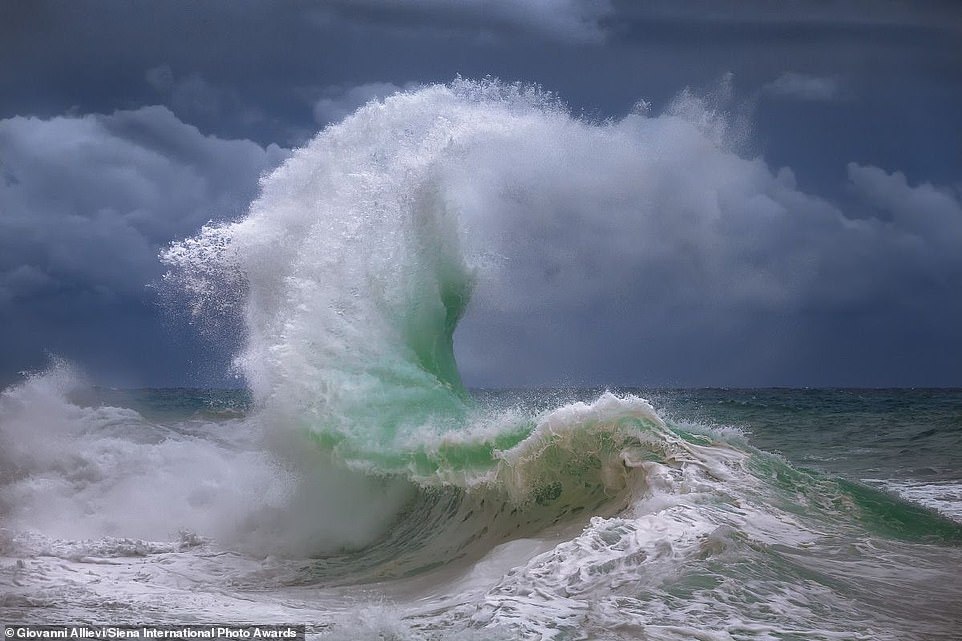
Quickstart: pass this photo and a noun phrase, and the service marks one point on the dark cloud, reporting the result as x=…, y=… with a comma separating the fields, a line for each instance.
x=852, y=91
x=86, y=203
x=576, y=20
x=802, y=86
x=338, y=101
x=191, y=94
x=796, y=18
x=654, y=247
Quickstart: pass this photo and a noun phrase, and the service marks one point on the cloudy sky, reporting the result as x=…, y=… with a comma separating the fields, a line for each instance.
x=818, y=243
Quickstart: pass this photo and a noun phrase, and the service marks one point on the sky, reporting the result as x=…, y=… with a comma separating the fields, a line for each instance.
x=125, y=126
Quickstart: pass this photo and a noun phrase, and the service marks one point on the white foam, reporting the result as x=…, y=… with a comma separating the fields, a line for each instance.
x=943, y=496
x=73, y=472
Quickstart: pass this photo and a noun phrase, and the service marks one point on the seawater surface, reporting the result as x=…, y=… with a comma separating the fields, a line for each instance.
x=563, y=514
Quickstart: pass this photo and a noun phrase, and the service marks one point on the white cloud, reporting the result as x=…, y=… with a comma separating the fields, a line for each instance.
x=800, y=86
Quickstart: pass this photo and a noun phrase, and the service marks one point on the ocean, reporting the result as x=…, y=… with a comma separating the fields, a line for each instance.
x=358, y=487
x=561, y=514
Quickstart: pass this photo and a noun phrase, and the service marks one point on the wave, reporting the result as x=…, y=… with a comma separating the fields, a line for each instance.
x=364, y=250
x=351, y=271
x=528, y=524
x=107, y=473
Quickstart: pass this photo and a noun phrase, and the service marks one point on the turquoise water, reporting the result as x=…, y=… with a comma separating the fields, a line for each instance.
x=915, y=433
x=895, y=434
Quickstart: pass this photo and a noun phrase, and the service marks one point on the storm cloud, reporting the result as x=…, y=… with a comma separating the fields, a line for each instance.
x=651, y=244
x=814, y=242
x=803, y=87
x=86, y=203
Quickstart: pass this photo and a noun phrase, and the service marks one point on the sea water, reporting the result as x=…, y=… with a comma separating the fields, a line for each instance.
x=593, y=517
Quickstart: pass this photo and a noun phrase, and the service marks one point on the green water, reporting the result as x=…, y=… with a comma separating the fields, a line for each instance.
x=887, y=434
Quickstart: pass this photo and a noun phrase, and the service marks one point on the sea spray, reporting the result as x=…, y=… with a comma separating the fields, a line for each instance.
x=363, y=251
x=352, y=264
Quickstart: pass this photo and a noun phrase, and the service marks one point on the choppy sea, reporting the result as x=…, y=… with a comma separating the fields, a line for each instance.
x=554, y=514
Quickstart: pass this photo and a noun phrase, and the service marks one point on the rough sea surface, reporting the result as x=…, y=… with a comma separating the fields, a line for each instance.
x=714, y=514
